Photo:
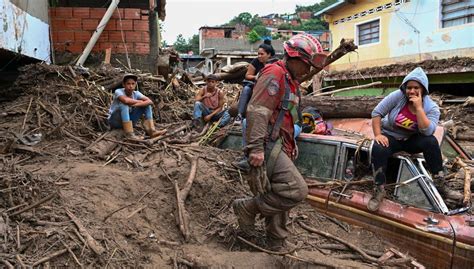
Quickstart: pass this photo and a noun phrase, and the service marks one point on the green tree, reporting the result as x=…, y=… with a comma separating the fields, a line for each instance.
x=276, y=36
x=184, y=46
x=253, y=36
x=181, y=45
x=244, y=18
x=285, y=26
x=316, y=7
x=312, y=25
x=256, y=21
x=194, y=44
x=261, y=30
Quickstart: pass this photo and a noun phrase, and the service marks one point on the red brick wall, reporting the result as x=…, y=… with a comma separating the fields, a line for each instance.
x=267, y=22
x=73, y=27
x=213, y=33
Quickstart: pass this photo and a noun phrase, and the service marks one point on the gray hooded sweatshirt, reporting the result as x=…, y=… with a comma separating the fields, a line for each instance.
x=390, y=107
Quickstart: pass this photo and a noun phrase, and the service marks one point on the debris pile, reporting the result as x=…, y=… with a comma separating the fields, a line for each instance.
x=456, y=109
x=453, y=65
x=163, y=202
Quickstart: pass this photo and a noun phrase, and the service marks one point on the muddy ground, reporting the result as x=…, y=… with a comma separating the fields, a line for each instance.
x=64, y=204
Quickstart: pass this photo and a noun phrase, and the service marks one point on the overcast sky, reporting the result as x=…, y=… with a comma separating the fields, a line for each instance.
x=187, y=16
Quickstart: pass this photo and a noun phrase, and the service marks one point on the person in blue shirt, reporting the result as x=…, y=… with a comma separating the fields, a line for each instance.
x=128, y=106
x=405, y=120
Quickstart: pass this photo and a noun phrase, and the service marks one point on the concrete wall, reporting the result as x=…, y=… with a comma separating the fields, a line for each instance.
x=399, y=42
x=425, y=16
x=25, y=28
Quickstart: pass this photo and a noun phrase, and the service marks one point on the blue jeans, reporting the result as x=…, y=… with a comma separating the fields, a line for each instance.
x=128, y=113
x=296, y=133
x=200, y=111
x=245, y=98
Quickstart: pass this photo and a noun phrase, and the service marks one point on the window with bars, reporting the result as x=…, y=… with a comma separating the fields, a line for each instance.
x=369, y=32
x=457, y=12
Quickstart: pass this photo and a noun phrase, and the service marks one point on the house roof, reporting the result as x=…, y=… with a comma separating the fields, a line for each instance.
x=338, y=4
x=270, y=16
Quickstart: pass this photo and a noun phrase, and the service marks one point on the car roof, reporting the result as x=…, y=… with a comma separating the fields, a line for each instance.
x=351, y=130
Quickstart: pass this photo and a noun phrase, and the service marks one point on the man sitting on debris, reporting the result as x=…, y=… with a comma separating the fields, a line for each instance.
x=130, y=105
x=405, y=120
x=271, y=115
x=209, y=105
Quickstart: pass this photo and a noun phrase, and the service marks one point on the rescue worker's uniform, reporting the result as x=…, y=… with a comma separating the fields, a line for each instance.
x=271, y=115
x=286, y=186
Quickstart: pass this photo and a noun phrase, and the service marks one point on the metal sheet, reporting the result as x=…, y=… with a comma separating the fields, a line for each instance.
x=22, y=33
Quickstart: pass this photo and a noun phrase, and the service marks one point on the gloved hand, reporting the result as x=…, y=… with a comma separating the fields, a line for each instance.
x=258, y=180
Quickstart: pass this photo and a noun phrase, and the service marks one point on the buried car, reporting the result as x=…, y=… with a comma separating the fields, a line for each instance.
x=438, y=231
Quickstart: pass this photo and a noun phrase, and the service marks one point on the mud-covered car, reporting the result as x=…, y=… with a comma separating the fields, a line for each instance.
x=436, y=230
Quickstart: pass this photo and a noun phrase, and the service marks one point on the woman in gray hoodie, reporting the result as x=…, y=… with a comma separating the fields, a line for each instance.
x=405, y=120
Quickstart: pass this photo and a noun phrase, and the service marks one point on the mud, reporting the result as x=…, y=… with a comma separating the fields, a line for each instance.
x=126, y=207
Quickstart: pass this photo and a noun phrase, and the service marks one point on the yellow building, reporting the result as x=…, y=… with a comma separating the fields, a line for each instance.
x=401, y=31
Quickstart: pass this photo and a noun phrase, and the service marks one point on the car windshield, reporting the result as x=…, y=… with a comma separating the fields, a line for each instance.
x=412, y=192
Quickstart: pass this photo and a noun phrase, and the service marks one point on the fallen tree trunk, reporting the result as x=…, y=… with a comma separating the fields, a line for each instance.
x=467, y=136
x=345, y=46
x=467, y=181
x=182, y=216
x=342, y=106
x=348, y=89
x=237, y=75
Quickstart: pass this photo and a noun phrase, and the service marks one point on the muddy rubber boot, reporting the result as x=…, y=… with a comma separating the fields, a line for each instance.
x=245, y=209
x=440, y=183
x=374, y=202
x=280, y=245
x=150, y=129
x=128, y=130
x=197, y=124
x=242, y=165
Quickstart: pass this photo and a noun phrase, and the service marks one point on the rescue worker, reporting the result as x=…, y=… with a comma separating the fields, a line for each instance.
x=266, y=55
x=271, y=115
x=209, y=105
x=128, y=106
x=405, y=120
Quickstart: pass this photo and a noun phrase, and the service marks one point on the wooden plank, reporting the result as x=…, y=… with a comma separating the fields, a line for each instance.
x=108, y=54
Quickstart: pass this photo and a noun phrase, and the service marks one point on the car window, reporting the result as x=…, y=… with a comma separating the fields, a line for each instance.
x=412, y=193
x=316, y=159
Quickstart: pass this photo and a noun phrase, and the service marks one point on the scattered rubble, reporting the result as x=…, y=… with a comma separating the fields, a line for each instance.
x=62, y=204
x=74, y=194
x=434, y=66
